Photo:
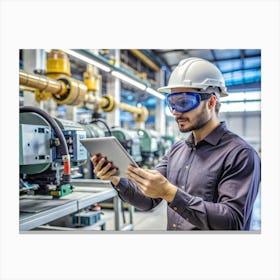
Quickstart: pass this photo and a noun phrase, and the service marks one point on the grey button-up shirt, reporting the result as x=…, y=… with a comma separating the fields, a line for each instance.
x=217, y=180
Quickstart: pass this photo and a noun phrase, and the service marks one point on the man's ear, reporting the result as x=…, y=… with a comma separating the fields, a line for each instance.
x=212, y=101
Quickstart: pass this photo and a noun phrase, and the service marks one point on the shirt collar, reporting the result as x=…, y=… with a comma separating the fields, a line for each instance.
x=213, y=137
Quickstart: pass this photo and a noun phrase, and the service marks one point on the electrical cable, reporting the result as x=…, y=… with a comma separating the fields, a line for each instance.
x=105, y=124
x=65, y=153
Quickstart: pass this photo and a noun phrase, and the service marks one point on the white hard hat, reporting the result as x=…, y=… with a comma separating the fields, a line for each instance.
x=197, y=73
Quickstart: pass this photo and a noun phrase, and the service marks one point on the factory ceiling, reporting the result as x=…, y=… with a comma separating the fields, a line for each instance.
x=240, y=67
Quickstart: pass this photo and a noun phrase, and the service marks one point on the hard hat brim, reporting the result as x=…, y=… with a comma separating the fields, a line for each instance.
x=168, y=89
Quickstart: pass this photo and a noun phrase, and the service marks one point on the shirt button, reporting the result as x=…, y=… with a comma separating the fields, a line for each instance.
x=194, y=148
x=187, y=167
x=174, y=225
x=187, y=219
x=175, y=208
x=183, y=187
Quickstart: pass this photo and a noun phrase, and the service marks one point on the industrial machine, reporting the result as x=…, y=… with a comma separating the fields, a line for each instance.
x=47, y=148
x=129, y=140
x=151, y=147
x=167, y=142
x=93, y=130
x=51, y=155
x=51, y=195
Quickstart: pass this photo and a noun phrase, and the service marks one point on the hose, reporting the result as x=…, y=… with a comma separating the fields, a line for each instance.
x=66, y=178
x=104, y=123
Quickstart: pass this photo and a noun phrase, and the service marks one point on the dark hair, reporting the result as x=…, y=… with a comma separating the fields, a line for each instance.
x=217, y=107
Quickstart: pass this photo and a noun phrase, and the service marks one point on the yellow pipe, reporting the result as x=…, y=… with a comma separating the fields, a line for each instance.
x=145, y=59
x=24, y=88
x=129, y=108
x=108, y=104
x=41, y=82
x=58, y=63
x=140, y=114
x=76, y=94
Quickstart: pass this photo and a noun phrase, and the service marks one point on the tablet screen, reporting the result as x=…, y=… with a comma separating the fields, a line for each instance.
x=111, y=148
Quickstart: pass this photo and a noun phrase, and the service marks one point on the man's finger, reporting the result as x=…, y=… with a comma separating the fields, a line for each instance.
x=140, y=172
x=107, y=175
x=151, y=171
x=135, y=177
x=95, y=158
x=107, y=167
x=99, y=164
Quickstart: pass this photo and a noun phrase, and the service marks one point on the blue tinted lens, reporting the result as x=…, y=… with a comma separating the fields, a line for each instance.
x=183, y=101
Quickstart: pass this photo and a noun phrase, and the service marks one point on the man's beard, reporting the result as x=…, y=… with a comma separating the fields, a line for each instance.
x=198, y=122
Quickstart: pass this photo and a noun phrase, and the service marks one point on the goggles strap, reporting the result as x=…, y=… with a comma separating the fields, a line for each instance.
x=204, y=96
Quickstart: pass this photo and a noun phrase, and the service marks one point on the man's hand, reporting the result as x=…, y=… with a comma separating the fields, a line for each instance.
x=104, y=169
x=151, y=183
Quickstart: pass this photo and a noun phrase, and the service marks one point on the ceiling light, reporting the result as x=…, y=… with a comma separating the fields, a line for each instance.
x=88, y=60
x=155, y=93
x=128, y=80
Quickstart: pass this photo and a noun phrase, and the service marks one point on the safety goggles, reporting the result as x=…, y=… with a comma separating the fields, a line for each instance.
x=185, y=101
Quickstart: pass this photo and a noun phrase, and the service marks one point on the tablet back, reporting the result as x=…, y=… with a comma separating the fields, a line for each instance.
x=112, y=149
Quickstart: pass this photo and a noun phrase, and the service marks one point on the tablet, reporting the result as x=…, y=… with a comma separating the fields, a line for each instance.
x=112, y=149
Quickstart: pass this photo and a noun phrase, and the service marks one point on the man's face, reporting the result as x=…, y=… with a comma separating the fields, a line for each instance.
x=194, y=119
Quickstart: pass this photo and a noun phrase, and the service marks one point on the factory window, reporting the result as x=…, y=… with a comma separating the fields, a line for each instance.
x=241, y=101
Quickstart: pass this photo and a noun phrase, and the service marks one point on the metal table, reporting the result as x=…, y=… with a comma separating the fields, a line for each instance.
x=40, y=210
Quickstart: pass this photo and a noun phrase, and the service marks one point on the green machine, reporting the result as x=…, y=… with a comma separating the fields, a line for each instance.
x=44, y=167
x=92, y=131
x=167, y=142
x=151, y=146
x=129, y=140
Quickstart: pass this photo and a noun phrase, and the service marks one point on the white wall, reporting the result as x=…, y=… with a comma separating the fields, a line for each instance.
x=245, y=124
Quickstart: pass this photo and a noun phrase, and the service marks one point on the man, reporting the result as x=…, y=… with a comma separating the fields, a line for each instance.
x=211, y=179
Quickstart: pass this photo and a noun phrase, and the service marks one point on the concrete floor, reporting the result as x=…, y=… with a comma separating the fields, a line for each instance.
x=151, y=220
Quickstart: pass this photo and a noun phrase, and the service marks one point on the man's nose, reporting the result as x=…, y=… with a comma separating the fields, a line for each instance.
x=176, y=113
